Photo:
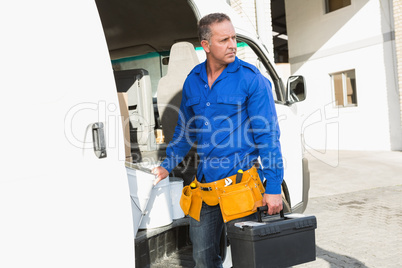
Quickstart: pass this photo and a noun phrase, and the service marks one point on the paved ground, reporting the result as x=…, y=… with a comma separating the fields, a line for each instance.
x=357, y=199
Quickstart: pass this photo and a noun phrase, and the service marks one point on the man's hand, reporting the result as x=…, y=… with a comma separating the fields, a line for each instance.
x=274, y=202
x=161, y=173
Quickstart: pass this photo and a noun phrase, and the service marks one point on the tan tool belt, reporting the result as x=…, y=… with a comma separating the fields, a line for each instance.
x=235, y=200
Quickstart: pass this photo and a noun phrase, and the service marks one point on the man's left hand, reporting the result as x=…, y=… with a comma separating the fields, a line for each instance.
x=274, y=202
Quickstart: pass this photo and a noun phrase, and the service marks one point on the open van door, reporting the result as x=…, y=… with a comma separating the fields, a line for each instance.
x=64, y=196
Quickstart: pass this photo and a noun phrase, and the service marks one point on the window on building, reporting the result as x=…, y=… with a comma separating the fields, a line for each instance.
x=344, y=88
x=332, y=5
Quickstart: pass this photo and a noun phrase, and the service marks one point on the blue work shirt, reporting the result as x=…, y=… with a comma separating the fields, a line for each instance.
x=233, y=123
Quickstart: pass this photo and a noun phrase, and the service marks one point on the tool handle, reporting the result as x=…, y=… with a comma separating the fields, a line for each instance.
x=262, y=209
x=239, y=176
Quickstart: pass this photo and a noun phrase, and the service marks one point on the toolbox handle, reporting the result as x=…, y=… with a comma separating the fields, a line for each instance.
x=262, y=209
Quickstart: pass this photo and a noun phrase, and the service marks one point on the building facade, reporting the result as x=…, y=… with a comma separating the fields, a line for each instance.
x=348, y=54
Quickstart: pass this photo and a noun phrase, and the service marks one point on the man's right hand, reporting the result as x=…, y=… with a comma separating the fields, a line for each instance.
x=274, y=203
x=161, y=173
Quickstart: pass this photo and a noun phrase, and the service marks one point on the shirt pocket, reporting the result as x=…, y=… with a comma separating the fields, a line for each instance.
x=194, y=104
x=229, y=104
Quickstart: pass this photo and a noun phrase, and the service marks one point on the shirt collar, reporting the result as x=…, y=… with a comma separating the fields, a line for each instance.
x=201, y=69
x=232, y=67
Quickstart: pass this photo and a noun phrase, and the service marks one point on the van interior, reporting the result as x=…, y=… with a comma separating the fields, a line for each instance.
x=153, y=45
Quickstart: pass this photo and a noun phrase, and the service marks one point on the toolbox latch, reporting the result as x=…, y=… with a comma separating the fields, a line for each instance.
x=304, y=224
x=270, y=230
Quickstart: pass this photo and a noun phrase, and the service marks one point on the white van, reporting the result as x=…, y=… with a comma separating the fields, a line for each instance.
x=64, y=193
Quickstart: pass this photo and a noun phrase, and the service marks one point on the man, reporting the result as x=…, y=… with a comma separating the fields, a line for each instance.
x=228, y=109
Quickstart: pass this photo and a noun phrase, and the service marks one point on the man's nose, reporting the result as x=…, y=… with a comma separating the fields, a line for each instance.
x=232, y=43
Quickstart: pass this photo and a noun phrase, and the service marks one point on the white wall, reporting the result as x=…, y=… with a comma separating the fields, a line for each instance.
x=355, y=37
x=311, y=30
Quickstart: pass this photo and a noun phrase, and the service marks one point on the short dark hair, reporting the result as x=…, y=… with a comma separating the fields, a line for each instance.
x=204, y=30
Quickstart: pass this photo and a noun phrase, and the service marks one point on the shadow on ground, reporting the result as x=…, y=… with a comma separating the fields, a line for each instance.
x=334, y=259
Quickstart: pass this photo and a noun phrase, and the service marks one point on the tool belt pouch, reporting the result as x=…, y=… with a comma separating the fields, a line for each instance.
x=191, y=202
x=185, y=199
x=240, y=200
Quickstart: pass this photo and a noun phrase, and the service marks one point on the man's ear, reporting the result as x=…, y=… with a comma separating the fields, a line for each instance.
x=205, y=45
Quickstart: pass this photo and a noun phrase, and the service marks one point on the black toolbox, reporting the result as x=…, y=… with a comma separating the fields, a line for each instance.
x=273, y=241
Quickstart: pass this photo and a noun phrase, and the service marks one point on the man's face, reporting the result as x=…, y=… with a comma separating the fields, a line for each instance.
x=222, y=47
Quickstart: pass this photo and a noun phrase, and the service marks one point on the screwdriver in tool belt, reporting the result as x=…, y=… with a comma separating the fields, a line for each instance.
x=239, y=176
